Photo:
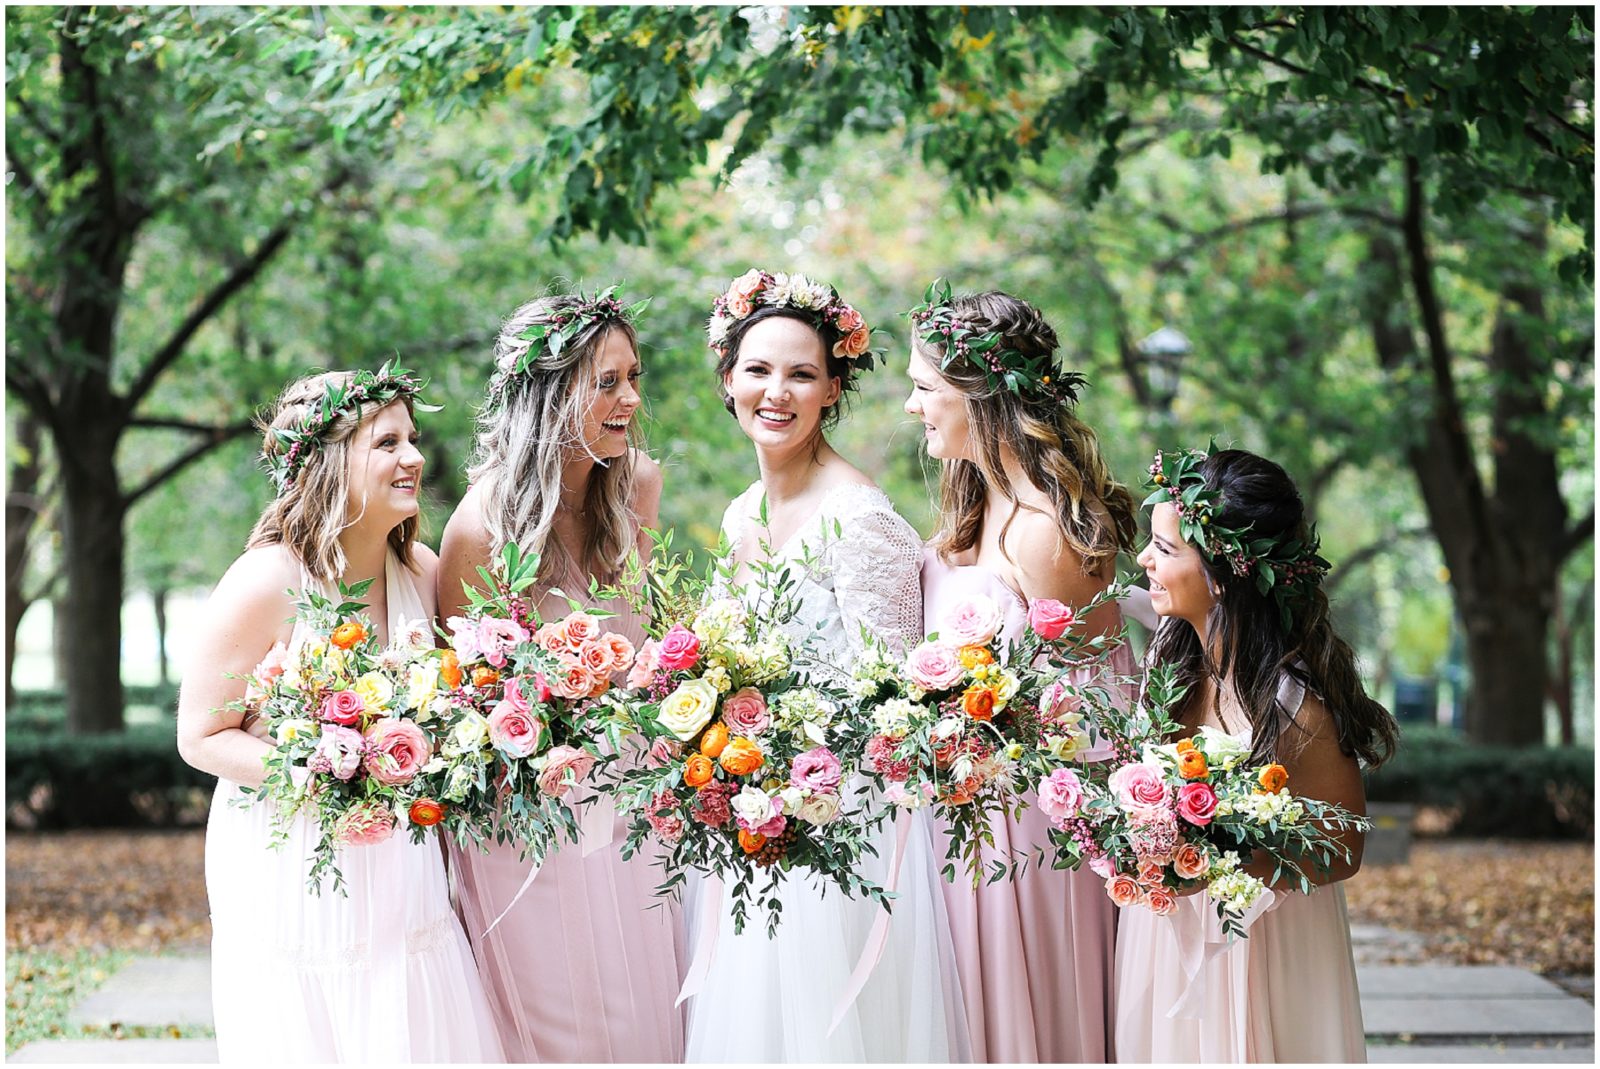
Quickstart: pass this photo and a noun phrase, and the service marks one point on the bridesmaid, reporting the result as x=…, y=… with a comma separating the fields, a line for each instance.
x=1028, y=509
x=382, y=973
x=1268, y=668
x=580, y=969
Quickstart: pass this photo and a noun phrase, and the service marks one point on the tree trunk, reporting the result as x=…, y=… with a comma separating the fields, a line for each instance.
x=92, y=543
x=23, y=508
x=158, y=599
x=1560, y=685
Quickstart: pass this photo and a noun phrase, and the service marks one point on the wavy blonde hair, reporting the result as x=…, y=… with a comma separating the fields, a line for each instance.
x=527, y=431
x=1059, y=453
x=313, y=510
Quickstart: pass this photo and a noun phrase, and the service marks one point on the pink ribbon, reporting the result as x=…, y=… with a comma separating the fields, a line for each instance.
x=597, y=824
x=527, y=883
x=705, y=943
x=1196, y=929
x=878, y=938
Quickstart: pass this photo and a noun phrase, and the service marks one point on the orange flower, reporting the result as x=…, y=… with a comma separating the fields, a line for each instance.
x=714, y=740
x=742, y=757
x=1185, y=745
x=426, y=812
x=973, y=656
x=698, y=770
x=1192, y=764
x=484, y=676
x=348, y=634
x=752, y=841
x=944, y=751
x=978, y=702
x=450, y=669
x=1272, y=778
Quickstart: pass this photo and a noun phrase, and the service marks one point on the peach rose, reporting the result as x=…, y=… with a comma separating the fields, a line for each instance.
x=1163, y=901
x=553, y=777
x=1190, y=862
x=596, y=656
x=748, y=284
x=396, y=751
x=581, y=629
x=643, y=672
x=621, y=649
x=1150, y=873
x=745, y=712
x=574, y=681
x=739, y=306
x=849, y=320
x=552, y=637
x=853, y=344
x=1124, y=890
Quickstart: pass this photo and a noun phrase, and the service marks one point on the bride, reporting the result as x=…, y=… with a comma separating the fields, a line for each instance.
x=785, y=349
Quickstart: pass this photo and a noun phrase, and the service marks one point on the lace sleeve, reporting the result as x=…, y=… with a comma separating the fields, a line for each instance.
x=877, y=576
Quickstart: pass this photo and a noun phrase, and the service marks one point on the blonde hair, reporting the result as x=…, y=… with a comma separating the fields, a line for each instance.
x=1058, y=452
x=312, y=511
x=531, y=425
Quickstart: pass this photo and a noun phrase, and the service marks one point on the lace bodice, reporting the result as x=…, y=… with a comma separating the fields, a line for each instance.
x=865, y=570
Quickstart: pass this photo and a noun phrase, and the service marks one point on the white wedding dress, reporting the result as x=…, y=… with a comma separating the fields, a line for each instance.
x=773, y=1000
x=382, y=975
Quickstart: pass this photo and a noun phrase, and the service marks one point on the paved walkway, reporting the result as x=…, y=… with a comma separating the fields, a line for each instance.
x=1415, y=1011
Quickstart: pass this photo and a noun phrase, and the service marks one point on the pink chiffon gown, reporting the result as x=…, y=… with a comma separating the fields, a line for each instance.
x=1035, y=956
x=1287, y=993
x=585, y=966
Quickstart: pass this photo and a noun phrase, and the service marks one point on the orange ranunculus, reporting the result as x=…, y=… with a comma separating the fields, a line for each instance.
x=450, y=669
x=751, y=841
x=944, y=751
x=484, y=676
x=978, y=701
x=348, y=634
x=742, y=757
x=972, y=656
x=698, y=770
x=1185, y=745
x=426, y=812
x=1272, y=778
x=714, y=740
x=1192, y=764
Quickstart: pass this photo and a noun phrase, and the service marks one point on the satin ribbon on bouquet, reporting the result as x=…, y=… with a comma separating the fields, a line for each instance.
x=705, y=943
x=878, y=938
x=596, y=831
x=1197, y=930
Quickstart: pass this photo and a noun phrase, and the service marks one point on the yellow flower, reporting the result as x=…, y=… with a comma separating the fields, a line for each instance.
x=376, y=691
x=718, y=677
x=686, y=710
x=422, y=683
x=290, y=730
x=1005, y=688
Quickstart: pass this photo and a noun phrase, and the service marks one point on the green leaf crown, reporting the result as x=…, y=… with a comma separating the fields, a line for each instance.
x=1285, y=567
x=1004, y=368
x=296, y=444
x=555, y=334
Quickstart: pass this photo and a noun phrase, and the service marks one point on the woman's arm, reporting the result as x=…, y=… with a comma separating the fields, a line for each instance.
x=877, y=579
x=462, y=550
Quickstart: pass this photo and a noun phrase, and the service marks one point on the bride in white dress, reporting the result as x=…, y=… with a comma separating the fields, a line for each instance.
x=382, y=974
x=783, y=370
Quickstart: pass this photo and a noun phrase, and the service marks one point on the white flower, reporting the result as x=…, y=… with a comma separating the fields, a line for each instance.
x=422, y=685
x=718, y=677
x=460, y=782
x=752, y=806
x=1222, y=750
x=947, y=727
x=820, y=808
x=717, y=329
x=895, y=716
x=470, y=733
x=1006, y=689
x=413, y=635
x=719, y=619
x=791, y=797
x=290, y=730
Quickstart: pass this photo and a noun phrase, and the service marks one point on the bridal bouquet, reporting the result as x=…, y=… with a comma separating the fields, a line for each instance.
x=751, y=755
x=355, y=724
x=1163, y=817
x=969, y=722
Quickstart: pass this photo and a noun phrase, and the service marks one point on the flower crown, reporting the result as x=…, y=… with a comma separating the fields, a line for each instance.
x=756, y=288
x=1003, y=368
x=1285, y=567
x=556, y=333
x=298, y=442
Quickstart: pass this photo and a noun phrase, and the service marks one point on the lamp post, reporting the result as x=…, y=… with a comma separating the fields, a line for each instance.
x=1164, y=353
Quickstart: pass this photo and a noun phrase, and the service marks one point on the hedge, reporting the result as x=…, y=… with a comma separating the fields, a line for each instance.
x=128, y=779
x=46, y=710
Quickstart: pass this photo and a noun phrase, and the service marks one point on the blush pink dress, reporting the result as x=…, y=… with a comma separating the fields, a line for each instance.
x=586, y=965
x=1035, y=955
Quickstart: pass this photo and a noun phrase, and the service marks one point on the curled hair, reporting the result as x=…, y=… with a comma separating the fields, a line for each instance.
x=529, y=431
x=311, y=513
x=837, y=367
x=1059, y=453
x=1251, y=647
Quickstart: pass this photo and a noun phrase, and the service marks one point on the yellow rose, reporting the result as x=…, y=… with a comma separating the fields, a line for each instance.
x=422, y=683
x=687, y=709
x=471, y=732
x=290, y=730
x=1005, y=689
x=376, y=691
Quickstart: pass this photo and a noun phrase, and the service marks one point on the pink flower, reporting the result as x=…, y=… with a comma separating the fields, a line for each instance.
x=1197, y=803
x=1151, y=872
x=739, y=306
x=680, y=649
x=342, y=707
x=644, y=666
x=848, y=320
x=1162, y=900
x=553, y=778
x=935, y=666
x=971, y=622
x=497, y=638
x=364, y=824
x=853, y=344
x=575, y=681
x=272, y=665
x=464, y=639
x=597, y=657
x=663, y=750
x=518, y=696
x=748, y=284
x=1058, y=701
x=621, y=649
x=581, y=629
x=552, y=637
x=514, y=732
x=745, y=713
x=711, y=806
x=1101, y=866
x=881, y=758
x=1124, y=890
x=1061, y=794
x=756, y=812
x=817, y=769
x=1049, y=618
x=1139, y=784
x=396, y=751
x=1190, y=862
x=338, y=752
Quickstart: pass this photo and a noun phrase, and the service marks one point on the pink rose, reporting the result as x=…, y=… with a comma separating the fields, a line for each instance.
x=664, y=750
x=272, y=665
x=497, y=638
x=853, y=344
x=817, y=769
x=553, y=779
x=748, y=284
x=1139, y=784
x=338, y=752
x=596, y=656
x=1058, y=701
x=1124, y=890
x=738, y=306
x=515, y=732
x=1049, y=618
x=342, y=707
x=1197, y=803
x=848, y=320
x=1101, y=866
x=1190, y=862
x=621, y=649
x=745, y=713
x=935, y=666
x=396, y=751
x=1163, y=901
x=552, y=637
x=365, y=824
x=680, y=649
x=1061, y=794
x=574, y=681
x=464, y=639
x=581, y=629
x=643, y=672
x=971, y=622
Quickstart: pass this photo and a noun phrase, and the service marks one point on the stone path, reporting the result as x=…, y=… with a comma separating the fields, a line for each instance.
x=1415, y=1011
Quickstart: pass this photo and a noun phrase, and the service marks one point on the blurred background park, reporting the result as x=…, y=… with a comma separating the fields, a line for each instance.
x=1358, y=241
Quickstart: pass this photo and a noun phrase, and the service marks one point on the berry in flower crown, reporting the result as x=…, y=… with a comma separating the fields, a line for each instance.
x=297, y=443
x=1004, y=368
x=1285, y=567
x=555, y=333
x=757, y=289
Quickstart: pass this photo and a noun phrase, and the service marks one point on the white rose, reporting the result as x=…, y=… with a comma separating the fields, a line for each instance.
x=752, y=805
x=820, y=808
x=290, y=730
x=791, y=797
x=422, y=684
x=470, y=733
x=688, y=709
